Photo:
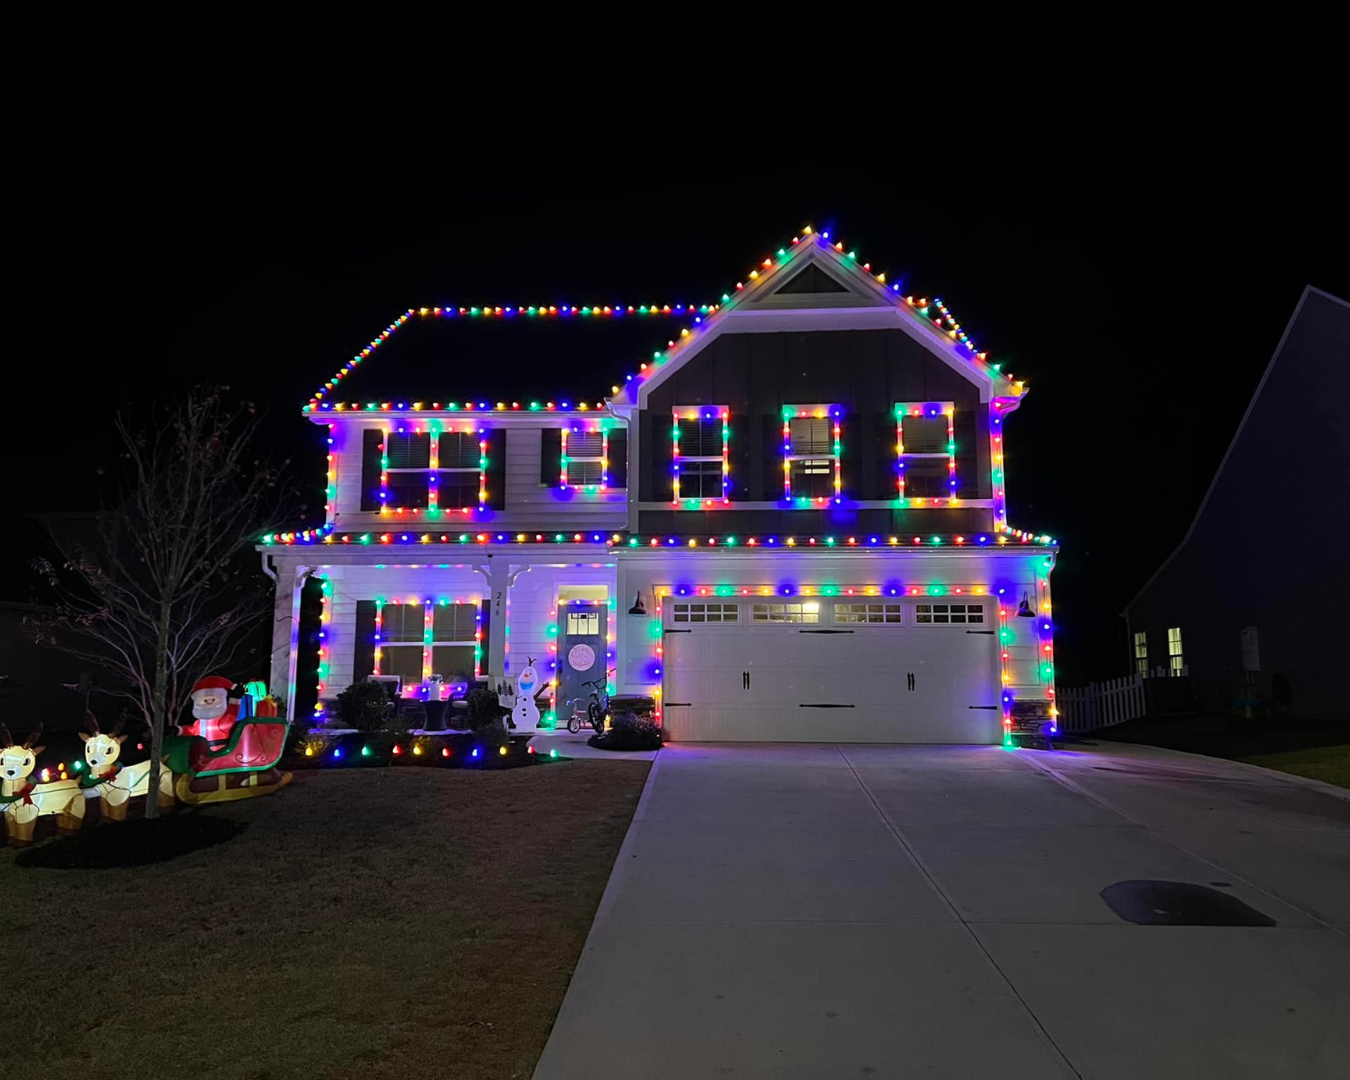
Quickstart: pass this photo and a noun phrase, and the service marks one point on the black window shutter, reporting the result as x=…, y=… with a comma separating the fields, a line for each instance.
x=372, y=452
x=363, y=658
x=659, y=465
x=496, y=468
x=886, y=464
x=618, y=459
x=484, y=632
x=550, y=456
x=771, y=478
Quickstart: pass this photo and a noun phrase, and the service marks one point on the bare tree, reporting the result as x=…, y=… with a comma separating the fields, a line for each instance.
x=164, y=593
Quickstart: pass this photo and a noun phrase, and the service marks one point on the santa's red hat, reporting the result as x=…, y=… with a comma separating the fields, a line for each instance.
x=214, y=682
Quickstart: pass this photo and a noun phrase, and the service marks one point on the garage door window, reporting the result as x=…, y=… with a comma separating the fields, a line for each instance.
x=808, y=611
x=867, y=613
x=705, y=613
x=928, y=614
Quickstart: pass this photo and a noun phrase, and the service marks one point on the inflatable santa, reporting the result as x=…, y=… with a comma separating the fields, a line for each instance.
x=214, y=708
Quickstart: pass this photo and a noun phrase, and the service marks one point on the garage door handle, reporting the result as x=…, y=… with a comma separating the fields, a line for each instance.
x=690, y=631
x=990, y=707
x=672, y=704
x=989, y=632
x=824, y=706
x=824, y=631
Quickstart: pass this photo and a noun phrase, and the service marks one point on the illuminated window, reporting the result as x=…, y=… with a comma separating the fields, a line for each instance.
x=808, y=611
x=705, y=613
x=418, y=640
x=583, y=622
x=701, y=439
x=406, y=471
x=399, y=624
x=875, y=612
x=1141, y=652
x=1176, y=661
x=418, y=472
x=926, y=449
x=930, y=614
x=459, y=469
x=811, y=452
x=583, y=457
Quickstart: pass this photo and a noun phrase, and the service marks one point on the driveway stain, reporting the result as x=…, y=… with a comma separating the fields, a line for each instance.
x=1179, y=903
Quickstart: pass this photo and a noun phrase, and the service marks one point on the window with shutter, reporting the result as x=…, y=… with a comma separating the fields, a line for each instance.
x=583, y=457
x=417, y=639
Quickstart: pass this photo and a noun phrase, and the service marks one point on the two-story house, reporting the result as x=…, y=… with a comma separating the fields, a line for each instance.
x=789, y=523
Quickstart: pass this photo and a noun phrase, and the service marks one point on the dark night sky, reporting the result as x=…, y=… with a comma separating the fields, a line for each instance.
x=1139, y=293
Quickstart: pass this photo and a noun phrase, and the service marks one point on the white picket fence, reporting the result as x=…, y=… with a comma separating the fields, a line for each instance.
x=1102, y=704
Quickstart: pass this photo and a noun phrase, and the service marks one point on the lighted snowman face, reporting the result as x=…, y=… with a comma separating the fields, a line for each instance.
x=528, y=681
x=209, y=704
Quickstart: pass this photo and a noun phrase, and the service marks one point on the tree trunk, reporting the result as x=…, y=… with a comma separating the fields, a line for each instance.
x=158, y=706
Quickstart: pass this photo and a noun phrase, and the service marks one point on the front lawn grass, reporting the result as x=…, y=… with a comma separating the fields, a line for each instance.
x=1330, y=764
x=1316, y=749
x=372, y=923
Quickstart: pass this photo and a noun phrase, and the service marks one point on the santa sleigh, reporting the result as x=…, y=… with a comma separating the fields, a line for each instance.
x=230, y=750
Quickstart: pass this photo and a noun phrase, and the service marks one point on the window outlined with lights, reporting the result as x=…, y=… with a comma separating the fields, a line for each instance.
x=585, y=457
x=417, y=638
x=812, y=454
x=427, y=469
x=701, y=446
x=925, y=448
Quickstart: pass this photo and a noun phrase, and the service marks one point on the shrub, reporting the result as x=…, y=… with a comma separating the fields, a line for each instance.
x=483, y=707
x=629, y=731
x=363, y=706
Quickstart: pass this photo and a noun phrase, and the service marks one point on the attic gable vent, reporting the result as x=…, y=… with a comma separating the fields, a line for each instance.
x=811, y=280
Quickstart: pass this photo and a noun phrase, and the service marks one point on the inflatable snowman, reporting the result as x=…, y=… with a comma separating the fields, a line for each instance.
x=525, y=715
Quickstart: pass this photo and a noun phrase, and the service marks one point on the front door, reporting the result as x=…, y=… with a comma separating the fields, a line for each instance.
x=583, y=627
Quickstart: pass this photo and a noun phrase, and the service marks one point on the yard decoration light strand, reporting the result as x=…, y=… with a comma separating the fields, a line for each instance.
x=943, y=322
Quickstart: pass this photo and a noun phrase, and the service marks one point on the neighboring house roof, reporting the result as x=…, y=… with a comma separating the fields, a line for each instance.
x=810, y=273
x=1308, y=291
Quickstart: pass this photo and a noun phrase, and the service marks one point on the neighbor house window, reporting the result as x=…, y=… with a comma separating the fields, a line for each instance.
x=422, y=472
x=701, y=437
x=926, y=448
x=1176, y=659
x=417, y=640
x=929, y=614
x=871, y=612
x=585, y=452
x=807, y=611
x=705, y=613
x=811, y=452
x=1141, y=652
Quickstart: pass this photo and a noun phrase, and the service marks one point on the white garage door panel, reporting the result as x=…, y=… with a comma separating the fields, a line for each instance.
x=862, y=674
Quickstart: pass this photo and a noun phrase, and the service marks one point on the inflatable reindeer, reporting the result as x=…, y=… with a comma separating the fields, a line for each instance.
x=21, y=801
x=108, y=781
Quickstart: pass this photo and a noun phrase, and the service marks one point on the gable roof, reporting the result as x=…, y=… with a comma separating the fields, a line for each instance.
x=861, y=299
x=792, y=287
x=1338, y=309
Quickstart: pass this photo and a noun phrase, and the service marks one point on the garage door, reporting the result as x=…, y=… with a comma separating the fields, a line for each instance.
x=807, y=670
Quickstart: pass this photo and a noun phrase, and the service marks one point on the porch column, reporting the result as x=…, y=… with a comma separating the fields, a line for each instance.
x=499, y=576
x=286, y=633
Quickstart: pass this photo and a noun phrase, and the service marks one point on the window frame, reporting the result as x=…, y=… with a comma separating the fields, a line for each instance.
x=1176, y=652
x=1141, y=652
x=966, y=606
x=929, y=410
x=785, y=602
x=433, y=431
x=583, y=427
x=832, y=413
x=428, y=641
x=889, y=606
x=705, y=606
x=700, y=413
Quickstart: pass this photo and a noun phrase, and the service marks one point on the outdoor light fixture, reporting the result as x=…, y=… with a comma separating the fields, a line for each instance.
x=637, y=608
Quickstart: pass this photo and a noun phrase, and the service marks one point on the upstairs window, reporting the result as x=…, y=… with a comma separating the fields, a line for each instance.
x=926, y=450
x=811, y=453
x=702, y=437
x=1141, y=652
x=585, y=451
x=1176, y=658
x=405, y=478
x=432, y=470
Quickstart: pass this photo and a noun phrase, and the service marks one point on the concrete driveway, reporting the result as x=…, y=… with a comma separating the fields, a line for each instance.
x=900, y=911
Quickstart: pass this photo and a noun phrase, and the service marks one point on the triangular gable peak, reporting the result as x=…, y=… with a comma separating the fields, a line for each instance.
x=809, y=283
